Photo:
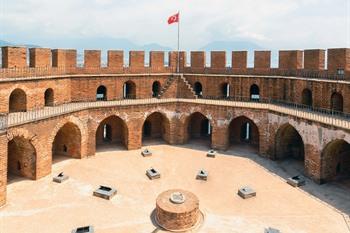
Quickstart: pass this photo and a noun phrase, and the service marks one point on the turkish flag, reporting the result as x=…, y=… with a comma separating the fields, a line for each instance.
x=174, y=18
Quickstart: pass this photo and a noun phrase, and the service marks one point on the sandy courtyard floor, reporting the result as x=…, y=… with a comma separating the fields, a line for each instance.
x=44, y=206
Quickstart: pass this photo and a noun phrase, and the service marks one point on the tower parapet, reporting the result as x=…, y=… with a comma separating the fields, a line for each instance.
x=64, y=61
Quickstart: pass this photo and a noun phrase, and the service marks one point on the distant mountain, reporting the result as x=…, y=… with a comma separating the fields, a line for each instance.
x=155, y=47
x=229, y=46
x=5, y=43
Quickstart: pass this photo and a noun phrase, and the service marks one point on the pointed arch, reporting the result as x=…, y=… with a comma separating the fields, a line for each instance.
x=306, y=97
x=22, y=158
x=337, y=102
x=67, y=141
x=289, y=143
x=335, y=161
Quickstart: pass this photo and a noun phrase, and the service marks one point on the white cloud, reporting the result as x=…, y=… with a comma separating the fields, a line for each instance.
x=270, y=23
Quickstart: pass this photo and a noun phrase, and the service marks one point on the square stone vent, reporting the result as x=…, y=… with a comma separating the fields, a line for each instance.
x=211, y=153
x=146, y=153
x=105, y=192
x=60, y=178
x=296, y=181
x=152, y=174
x=86, y=229
x=246, y=192
x=202, y=175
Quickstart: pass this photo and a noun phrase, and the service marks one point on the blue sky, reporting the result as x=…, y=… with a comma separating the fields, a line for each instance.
x=273, y=24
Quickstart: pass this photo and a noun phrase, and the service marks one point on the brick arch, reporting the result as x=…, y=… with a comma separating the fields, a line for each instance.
x=17, y=100
x=289, y=142
x=237, y=134
x=116, y=123
x=22, y=153
x=306, y=97
x=197, y=131
x=80, y=126
x=225, y=89
x=156, y=130
x=129, y=90
x=335, y=160
x=49, y=97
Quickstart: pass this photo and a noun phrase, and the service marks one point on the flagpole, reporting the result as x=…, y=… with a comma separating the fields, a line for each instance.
x=178, y=45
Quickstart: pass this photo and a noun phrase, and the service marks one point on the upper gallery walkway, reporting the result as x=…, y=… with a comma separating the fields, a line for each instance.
x=327, y=117
x=29, y=73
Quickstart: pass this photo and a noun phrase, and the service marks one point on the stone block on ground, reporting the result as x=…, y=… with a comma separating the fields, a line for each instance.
x=86, y=229
x=105, y=192
x=202, y=175
x=246, y=192
x=152, y=174
x=296, y=181
x=60, y=178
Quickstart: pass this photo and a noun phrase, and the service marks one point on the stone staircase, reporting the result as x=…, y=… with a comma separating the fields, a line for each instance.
x=178, y=78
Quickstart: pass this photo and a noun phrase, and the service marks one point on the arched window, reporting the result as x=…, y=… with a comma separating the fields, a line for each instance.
x=129, y=90
x=337, y=102
x=18, y=101
x=306, y=97
x=254, y=92
x=225, y=90
x=49, y=97
x=198, y=89
x=101, y=93
x=155, y=89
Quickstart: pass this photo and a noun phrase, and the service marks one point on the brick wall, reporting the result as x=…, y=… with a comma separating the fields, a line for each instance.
x=14, y=57
x=40, y=57
x=239, y=59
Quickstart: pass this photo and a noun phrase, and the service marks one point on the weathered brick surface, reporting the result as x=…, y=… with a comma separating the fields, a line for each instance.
x=262, y=59
x=14, y=57
x=30, y=145
x=239, y=59
x=137, y=59
x=115, y=59
x=290, y=60
x=197, y=59
x=157, y=59
x=92, y=58
x=40, y=57
x=314, y=59
x=338, y=59
x=218, y=59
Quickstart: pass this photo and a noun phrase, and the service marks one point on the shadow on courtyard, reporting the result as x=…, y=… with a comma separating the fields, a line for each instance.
x=336, y=194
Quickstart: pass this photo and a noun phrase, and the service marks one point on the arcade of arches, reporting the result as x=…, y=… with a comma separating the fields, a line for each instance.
x=204, y=125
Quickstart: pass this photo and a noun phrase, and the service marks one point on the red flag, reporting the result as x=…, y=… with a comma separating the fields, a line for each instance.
x=174, y=18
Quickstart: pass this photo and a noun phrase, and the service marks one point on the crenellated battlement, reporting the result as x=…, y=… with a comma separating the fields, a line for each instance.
x=314, y=60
